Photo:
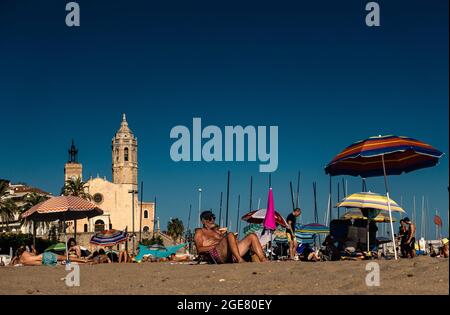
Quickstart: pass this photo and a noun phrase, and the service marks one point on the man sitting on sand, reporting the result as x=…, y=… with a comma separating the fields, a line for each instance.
x=47, y=258
x=224, y=247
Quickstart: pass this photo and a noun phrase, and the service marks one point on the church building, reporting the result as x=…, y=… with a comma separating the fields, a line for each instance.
x=118, y=198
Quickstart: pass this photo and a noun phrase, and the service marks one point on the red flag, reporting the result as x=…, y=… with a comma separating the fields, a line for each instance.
x=437, y=220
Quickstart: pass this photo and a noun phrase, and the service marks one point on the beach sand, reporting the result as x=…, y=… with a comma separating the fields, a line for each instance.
x=422, y=275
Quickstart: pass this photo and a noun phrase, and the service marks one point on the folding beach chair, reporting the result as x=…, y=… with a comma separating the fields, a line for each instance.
x=206, y=257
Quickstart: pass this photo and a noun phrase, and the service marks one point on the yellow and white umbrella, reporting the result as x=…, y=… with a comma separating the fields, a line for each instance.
x=370, y=205
x=369, y=200
x=354, y=214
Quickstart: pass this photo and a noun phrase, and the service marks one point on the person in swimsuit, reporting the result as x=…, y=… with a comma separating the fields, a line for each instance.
x=74, y=249
x=224, y=247
x=410, y=243
x=403, y=237
x=444, y=248
x=47, y=258
x=290, y=232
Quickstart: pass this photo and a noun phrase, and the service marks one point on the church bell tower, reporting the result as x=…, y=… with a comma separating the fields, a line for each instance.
x=124, y=155
x=73, y=169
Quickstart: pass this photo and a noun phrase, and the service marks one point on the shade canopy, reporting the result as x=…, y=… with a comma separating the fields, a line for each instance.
x=401, y=154
x=62, y=208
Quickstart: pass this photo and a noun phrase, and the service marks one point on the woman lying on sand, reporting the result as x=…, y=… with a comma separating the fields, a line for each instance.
x=171, y=258
x=443, y=250
x=224, y=247
x=47, y=258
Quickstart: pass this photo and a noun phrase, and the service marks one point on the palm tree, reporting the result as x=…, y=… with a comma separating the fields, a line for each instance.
x=76, y=187
x=4, y=188
x=8, y=210
x=7, y=205
x=175, y=228
x=30, y=200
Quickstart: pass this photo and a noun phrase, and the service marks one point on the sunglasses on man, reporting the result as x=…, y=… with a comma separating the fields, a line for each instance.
x=209, y=217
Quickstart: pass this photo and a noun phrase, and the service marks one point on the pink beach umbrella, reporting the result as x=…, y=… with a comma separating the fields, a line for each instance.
x=270, y=219
x=269, y=223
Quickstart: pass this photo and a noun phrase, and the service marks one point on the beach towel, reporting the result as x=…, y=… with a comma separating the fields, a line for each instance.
x=49, y=259
x=170, y=250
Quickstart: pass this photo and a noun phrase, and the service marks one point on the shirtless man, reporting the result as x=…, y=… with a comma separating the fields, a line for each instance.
x=47, y=258
x=224, y=247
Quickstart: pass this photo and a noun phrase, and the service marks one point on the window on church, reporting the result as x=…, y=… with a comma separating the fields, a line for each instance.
x=146, y=229
x=125, y=155
x=145, y=214
x=85, y=228
x=99, y=226
x=117, y=155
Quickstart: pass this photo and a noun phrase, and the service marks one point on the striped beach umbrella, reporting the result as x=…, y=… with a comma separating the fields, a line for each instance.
x=401, y=154
x=370, y=205
x=109, y=237
x=382, y=156
x=279, y=234
x=62, y=208
x=257, y=216
x=313, y=228
x=354, y=214
x=369, y=200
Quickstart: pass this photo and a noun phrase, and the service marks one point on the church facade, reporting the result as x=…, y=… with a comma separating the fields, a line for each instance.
x=118, y=198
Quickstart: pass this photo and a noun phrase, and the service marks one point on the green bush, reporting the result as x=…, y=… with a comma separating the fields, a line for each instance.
x=14, y=240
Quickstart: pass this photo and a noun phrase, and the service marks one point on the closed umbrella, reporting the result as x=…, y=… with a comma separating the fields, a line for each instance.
x=269, y=222
x=382, y=156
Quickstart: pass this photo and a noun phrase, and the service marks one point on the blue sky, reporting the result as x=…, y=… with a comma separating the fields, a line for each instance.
x=313, y=69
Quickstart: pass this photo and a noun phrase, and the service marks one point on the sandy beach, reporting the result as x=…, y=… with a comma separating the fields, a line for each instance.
x=422, y=275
